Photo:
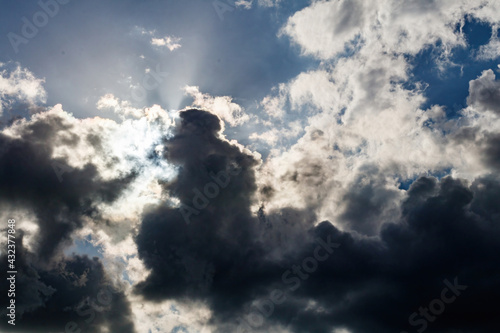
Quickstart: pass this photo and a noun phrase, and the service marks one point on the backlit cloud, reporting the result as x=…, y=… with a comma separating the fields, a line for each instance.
x=332, y=167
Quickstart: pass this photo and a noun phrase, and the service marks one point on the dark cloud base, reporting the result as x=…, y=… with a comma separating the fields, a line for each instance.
x=50, y=286
x=30, y=182
x=73, y=296
x=449, y=229
x=224, y=255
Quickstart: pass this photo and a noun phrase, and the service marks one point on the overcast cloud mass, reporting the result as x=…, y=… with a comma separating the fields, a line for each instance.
x=319, y=166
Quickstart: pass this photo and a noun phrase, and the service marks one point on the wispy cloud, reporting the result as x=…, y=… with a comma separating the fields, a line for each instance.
x=169, y=42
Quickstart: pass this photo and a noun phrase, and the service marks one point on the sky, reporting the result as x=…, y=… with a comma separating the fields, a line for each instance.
x=220, y=166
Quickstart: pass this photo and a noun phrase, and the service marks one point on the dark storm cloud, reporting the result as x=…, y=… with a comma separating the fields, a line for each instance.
x=220, y=237
x=366, y=200
x=50, y=285
x=448, y=230
x=374, y=286
x=219, y=255
x=73, y=295
x=230, y=258
x=29, y=181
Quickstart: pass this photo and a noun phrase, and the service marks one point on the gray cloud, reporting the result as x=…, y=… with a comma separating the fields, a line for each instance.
x=50, y=285
x=369, y=285
x=74, y=294
x=30, y=182
x=484, y=92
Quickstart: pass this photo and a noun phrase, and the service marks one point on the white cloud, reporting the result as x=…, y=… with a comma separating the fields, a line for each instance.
x=275, y=135
x=326, y=28
x=491, y=50
x=123, y=108
x=169, y=42
x=274, y=106
x=167, y=315
x=246, y=4
x=314, y=88
x=269, y=3
x=114, y=148
x=365, y=128
x=20, y=85
x=222, y=106
x=310, y=89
